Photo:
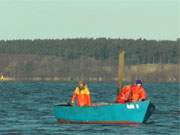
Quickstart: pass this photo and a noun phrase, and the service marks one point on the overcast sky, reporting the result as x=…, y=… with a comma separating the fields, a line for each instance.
x=32, y=19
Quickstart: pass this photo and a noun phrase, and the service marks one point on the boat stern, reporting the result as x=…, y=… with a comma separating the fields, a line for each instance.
x=150, y=110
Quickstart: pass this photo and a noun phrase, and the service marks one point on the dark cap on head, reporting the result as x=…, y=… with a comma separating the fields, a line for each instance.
x=138, y=81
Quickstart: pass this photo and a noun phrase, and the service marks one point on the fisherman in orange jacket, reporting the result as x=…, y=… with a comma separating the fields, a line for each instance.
x=124, y=95
x=82, y=94
x=137, y=92
x=132, y=93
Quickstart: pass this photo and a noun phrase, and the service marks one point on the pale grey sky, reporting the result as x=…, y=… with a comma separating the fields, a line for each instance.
x=31, y=19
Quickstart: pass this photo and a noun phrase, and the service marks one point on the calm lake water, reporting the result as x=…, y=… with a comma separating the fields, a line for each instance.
x=26, y=109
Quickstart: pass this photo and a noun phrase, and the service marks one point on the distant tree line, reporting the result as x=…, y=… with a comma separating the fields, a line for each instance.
x=89, y=59
x=140, y=51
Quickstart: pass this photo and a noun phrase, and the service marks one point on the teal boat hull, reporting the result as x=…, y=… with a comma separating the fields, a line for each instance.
x=136, y=112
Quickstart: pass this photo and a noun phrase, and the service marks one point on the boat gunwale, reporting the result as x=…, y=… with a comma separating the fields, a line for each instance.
x=98, y=104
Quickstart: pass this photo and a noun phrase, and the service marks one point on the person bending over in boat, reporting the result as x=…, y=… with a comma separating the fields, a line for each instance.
x=132, y=93
x=82, y=94
x=124, y=95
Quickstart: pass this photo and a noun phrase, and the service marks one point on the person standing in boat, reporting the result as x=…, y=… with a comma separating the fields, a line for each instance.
x=138, y=92
x=132, y=93
x=82, y=95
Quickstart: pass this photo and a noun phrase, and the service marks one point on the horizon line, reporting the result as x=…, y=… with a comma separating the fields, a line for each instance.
x=94, y=38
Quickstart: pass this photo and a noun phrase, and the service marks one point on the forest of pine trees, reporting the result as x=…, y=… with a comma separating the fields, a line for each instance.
x=82, y=57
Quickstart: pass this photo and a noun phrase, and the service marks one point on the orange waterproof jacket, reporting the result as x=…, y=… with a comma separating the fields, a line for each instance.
x=82, y=96
x=124, y=95
x=138, y=93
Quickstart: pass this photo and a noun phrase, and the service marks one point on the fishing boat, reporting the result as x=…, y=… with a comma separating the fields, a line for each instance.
x=107, y=113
